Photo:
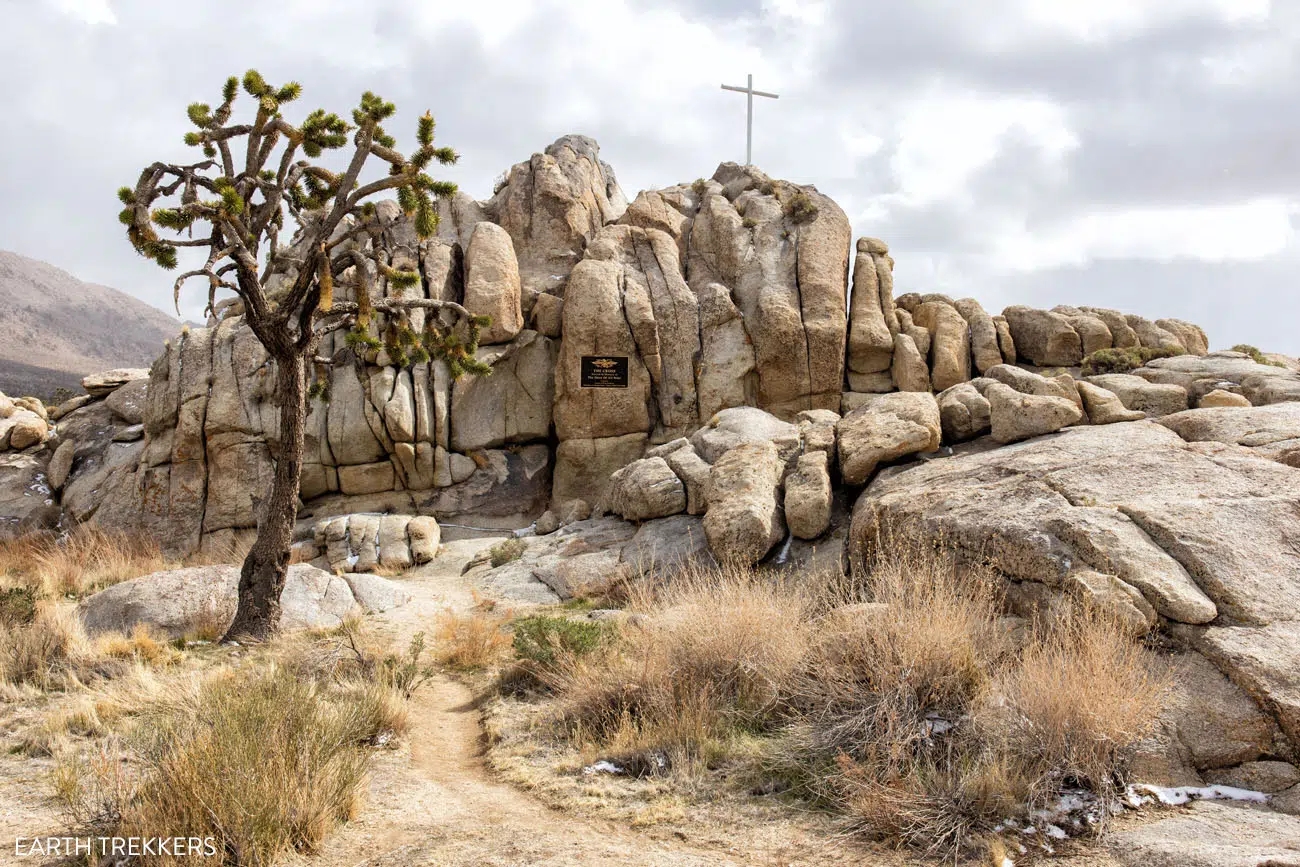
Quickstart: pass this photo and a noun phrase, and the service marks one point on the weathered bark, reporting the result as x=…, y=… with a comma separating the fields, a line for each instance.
x=261, y=580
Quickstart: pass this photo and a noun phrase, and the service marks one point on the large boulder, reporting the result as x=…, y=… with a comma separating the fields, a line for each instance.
x=909, y=370
x=181, y=602
x=783, y=252
x=492, y=283
x=1209, y=834
x=127, y=402
x=668, y=546
x=745, y=424
x=1015, y=416
x=1044, y=338
x=106, y=382
x=26, y=500
x=744, y=519
x=513, y=404
x=583, y=466
x=872, y=323
x=23, y=429
x=889, y=427
x=950, y=348
x=628, y=299
x=646, y=489
x=1219, y=397
x=1272, y=431
x=1104, y=406
x=552, y=205
x=1262, y=660
x=1136, y=393
x=808, y=496
x=985, y=350
x=963, y=412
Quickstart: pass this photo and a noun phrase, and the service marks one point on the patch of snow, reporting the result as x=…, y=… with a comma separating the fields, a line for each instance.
x=785, y=550
x=1178, y=795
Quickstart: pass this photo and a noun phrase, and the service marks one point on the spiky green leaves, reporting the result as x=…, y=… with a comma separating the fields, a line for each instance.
x=408, y=199
x=359, y=339
x=173, y=218
x=126, y=195
x=231, y=202
x=255, y=85
x=230, y=89
x=289, y=92
x=426, y=218
x=402, y=279
x=321, y=131
x=424, y=131
x=373, y=109
x=200, y=114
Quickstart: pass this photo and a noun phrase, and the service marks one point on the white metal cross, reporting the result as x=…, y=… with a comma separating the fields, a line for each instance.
x=750, y=93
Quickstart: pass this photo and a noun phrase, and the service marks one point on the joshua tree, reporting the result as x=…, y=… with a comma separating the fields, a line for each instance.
x=233, y=205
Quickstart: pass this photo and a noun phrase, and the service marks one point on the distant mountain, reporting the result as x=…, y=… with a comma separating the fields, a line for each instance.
x=54, y=328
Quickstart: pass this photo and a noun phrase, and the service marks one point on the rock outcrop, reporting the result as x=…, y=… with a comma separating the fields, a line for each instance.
x=722, y=310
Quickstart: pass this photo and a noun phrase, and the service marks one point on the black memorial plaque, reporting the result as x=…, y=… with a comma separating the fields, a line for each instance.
x=604, y=371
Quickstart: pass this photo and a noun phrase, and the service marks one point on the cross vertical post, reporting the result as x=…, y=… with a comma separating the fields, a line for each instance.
x=750, y=93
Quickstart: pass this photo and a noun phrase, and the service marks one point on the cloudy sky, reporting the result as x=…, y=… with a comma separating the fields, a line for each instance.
x=1140, y=154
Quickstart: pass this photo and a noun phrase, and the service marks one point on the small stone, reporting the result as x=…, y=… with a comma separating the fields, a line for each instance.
x=1219, y=397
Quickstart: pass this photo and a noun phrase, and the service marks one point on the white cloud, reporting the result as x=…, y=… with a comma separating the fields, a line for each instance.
x=944, y=138
x=1247, y=231
x=1106, y=20
x=86, y=11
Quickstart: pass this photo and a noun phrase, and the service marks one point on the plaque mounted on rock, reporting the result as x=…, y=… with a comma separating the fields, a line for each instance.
x=604, y=371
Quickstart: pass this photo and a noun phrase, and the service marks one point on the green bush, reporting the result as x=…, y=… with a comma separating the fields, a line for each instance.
x=542, y=638
x=504, y=552
x=1255, y=355
x=1124, y=360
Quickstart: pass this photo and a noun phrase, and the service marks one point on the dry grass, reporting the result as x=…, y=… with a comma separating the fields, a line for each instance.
x=474, y=640
x=46, y=653
x=267, y=757
x=900, y=700
x=80, y=563
x=715, y=660
x=1076, y=698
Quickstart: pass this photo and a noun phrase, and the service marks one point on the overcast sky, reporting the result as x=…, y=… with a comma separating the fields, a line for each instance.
x=1140, y=154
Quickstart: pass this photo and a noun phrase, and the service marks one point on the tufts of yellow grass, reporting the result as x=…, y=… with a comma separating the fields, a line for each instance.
x=901, y=697
x=80, y=563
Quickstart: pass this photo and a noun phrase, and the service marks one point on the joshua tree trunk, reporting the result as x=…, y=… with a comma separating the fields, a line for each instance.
x=262, y=578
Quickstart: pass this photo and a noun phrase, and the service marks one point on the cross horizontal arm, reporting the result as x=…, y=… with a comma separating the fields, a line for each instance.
x=747, y=90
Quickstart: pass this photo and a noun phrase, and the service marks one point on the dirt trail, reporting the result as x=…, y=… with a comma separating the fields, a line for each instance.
x=439, y=804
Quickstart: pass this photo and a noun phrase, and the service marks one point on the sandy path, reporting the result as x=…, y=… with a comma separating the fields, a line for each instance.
x=439, y=804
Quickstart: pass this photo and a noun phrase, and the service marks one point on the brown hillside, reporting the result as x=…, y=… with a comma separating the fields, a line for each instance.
x=55, y=328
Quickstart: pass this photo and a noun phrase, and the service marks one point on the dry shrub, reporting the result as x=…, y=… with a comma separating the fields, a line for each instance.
x=1082, y=691
x=715, y=657
x=898, y=697
x=266, y=760
x=80, y=563
x=47, y=652
x=140, y=644
x=476, y=639
x=917, y=717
